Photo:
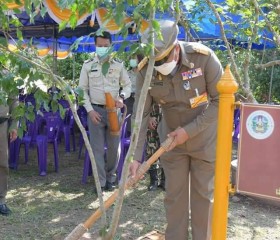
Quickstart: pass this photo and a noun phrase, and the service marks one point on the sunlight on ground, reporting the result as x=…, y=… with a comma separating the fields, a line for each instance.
x=31, y=195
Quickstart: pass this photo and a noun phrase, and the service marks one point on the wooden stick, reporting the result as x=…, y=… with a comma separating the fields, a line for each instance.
x=83, y=227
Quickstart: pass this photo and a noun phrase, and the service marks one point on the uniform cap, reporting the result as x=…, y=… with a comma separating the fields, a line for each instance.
x=169, y=31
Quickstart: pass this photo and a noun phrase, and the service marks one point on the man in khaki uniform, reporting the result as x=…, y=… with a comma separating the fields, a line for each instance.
x=184, y=83
x=95, y=84
x=5, y=111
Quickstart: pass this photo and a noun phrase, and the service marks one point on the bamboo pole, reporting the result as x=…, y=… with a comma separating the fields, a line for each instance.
x=83, y=227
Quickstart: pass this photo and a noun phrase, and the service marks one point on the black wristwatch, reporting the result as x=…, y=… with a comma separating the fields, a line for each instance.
x=122, y=96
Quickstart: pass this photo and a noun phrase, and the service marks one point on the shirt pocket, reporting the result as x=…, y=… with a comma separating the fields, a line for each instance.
x=95, y=77
x=160, y=92
x=113, y=77
x=198, y=83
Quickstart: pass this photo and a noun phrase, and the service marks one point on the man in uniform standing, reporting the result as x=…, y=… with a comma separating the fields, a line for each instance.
x=157, y=178
x=5, y=112
x=95, y=83
x=184, y=83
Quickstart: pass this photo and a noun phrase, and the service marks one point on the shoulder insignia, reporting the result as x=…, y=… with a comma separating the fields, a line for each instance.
x=197, y=48
x=88, y=60
x=116, y=60
x=203, y=50
x=93, y=57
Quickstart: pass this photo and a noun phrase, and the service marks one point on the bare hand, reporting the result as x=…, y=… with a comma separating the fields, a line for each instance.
x=95, y=117
x=153, y=123
x=133, y=167
x=119, y=103
x=180, y=136
x=13, y=135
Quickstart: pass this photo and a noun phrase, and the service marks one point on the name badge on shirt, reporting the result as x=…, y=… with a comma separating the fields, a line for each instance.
x=199, y=100
x=93, y=67
x=153, y=84
x=192, y=73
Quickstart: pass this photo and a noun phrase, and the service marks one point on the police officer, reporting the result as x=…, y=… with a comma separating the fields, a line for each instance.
x=184, y=83
x=5, y=111
x=95, y=84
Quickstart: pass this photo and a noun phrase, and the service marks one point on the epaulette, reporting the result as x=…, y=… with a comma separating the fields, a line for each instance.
x=197, y=48
x=116, y=60
x=88, y=60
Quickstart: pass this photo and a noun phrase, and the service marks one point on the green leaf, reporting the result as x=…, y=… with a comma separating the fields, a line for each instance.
x=62, y=111
x=43, y=11
x=105, y=68
x=30, y=116
x=54, y=106
x=73, y=20
x=19, y=35
x=20, y=132
x=62, y=25
x=46, y=106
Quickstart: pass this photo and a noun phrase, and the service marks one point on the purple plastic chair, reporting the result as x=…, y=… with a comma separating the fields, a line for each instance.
x=236, y=125
x=68, y=130
x=82, y=113
x=28, y=140
x=51, y=134
x=27, y=98
x=68, y=126
x=124, y=144
x=14, y=153
x=42, y=152
x=87, y=171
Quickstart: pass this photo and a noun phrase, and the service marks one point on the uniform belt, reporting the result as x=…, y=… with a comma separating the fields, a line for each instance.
x=99, y=105
x=3, y=119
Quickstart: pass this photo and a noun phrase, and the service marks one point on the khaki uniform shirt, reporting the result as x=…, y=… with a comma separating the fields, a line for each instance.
x=6, y=110
x=95, y=84
x=132, y=75
x=174, y=94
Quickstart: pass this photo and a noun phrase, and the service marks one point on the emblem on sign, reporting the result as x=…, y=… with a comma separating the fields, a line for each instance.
x=260, y=124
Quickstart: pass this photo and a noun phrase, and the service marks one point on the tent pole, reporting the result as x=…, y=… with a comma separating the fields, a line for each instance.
x=54, y=50
x=271, y=79
x=73, y=69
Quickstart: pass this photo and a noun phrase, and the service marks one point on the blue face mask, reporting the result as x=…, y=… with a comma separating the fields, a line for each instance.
x=102, y=51
x=133, y=63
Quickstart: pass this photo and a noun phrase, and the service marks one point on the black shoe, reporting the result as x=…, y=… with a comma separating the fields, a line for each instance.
x=4, y=210
x=153, y=186
x=109, y=186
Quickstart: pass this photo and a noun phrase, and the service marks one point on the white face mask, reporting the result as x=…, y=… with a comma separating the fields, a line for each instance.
x=102, y=51
x=133, y=63
x=166, y=68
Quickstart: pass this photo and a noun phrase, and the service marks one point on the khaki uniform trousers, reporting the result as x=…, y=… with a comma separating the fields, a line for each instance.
x=100, y=136
x=4, y=166
x=189, y=182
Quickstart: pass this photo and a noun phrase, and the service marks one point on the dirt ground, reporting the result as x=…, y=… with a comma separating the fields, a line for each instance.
x=51, y=207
